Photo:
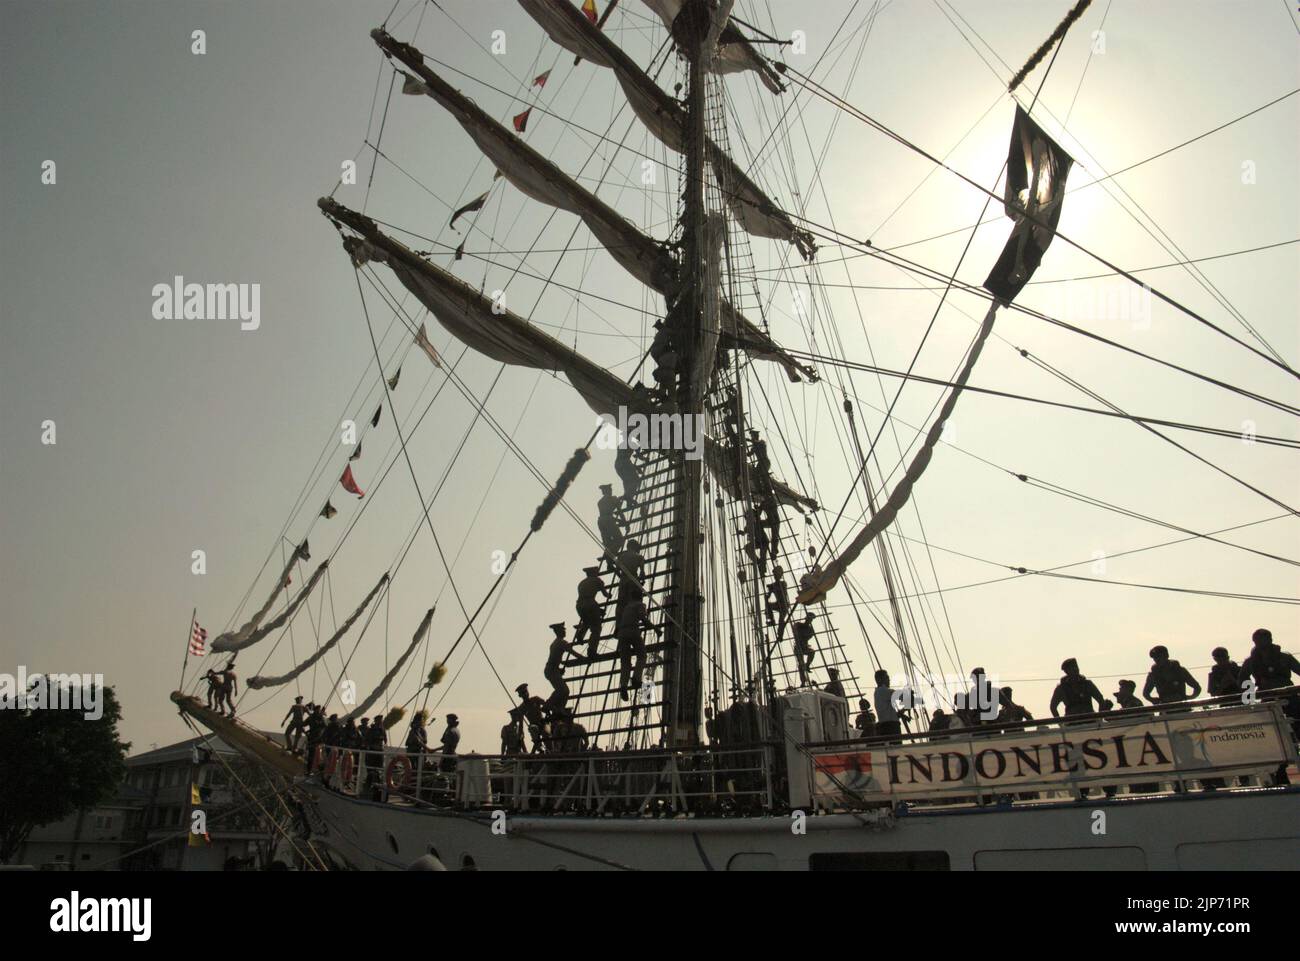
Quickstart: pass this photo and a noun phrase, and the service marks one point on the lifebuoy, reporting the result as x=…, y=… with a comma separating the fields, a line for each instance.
x=331, y=761
x=397, y=776
x=347, y=768
x=318, y=757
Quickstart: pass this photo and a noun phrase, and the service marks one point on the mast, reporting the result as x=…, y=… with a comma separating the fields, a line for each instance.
x=683, y=657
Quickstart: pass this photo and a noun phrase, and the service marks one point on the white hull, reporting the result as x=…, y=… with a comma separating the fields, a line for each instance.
x=1226, y=830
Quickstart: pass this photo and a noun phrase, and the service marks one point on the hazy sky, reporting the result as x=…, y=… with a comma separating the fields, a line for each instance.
x=177, y=435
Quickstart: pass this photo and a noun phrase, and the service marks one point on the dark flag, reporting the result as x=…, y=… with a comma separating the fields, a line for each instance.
x=328, y=511
x=374, y=421
x=541, y=78
x=356, y=454
x=1036, y=172
x=460, y=250
x=475, y=204
x=521, y=120
x=349, y=482
x=392, y=381
x=304, y=552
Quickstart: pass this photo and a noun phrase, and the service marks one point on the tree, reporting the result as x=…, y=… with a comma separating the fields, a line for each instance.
x=57, y=761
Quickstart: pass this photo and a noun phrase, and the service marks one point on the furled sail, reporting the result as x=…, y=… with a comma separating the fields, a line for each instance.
x=664, y=118
x=818, y=583
x=233, y=640
x=486, y=326
x=734, y=52
x=539, y=178
x=420, y=631
x=720, y=457
x=260, y=681
x=229, y=642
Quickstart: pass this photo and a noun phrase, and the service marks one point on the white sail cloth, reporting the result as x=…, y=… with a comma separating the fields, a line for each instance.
x=543, y=181
x=817, y=584
x=734, y=53
x=661, y=115
x=259, y=681
x=223, y=641
x=360, y=710
x=239, y=640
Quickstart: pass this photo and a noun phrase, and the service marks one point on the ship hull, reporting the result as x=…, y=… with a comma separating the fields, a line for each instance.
x=1225, y=830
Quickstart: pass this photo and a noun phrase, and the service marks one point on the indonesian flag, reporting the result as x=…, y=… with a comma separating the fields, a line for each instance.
x=589, y=9
x=540, y=79
x=349, y=482
x=198, y=639
x=521, y=120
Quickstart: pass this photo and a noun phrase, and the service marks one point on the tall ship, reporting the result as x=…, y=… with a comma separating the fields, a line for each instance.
x=703, y=704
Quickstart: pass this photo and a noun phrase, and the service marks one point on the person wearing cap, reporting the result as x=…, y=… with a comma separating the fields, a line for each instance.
x=607, y=521
x=1168, y=681
x=590, y=612
x=1009, y=712
x=1125, y=696
x=512, y=734
x=632, y=621
x=1075, y=692
x=450, y=741
x=629, y=564
x=417, y=737
x=554, y=670
x=981, y=700
x=533, y=710
x=1270, y=668
x=834, y=685
x=293, y=733
x=627, y=472
x=1224, y=677
x=804, y=652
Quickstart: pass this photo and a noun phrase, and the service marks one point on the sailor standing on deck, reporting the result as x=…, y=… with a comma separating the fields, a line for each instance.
x=1168, y=680
x=1270, y=668
x=1075, y=692
x=229, y=688
x=450, y=741
x=1224, y=676
x=293, y=733
x=888, y=718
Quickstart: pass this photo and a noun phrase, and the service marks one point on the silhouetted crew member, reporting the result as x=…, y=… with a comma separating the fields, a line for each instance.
x=888, y=716
x=512, y=734
x=662, y=341
x=1168, y=679
x=1075, y=692
x=865, y=722
x=759, y=449
x=450, y=741
x=629, y=564
x=940, y=721
x=315, y=733
x=417, y=737
x=1126, y=697
x=755, y=541
x=363, y=736
x=333, y=736
x=778, y=599
x=631, y=644
x=378, y=736
x=1009, y=712
x=981, y=701
x=293, y=733
x=770, y=514
x=628, y=473
x=1270, y=668
x=214, y=689
x=833, y=686
x=665, y=374
x=229, y=688
x=1224, y=676
x=532, y=708
x=554, y=670
x=351, y=737
x=710, y=727
x=730, y=420
x=590, y=612
x=804, y=652
x=607, y=521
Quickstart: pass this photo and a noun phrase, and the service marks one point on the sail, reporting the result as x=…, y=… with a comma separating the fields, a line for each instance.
x=420, y=631
x=233, y=640
x=537, y=177
x=664, y=118
x=228, y=642
x=720, y=458
x=259, y=681
x=734, y=53
x=817, y=584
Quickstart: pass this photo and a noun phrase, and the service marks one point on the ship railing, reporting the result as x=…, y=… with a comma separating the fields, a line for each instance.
x=735, y=779
x=1150, y=750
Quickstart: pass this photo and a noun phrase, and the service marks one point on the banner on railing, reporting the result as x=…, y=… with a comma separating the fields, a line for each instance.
x=1115, y=751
